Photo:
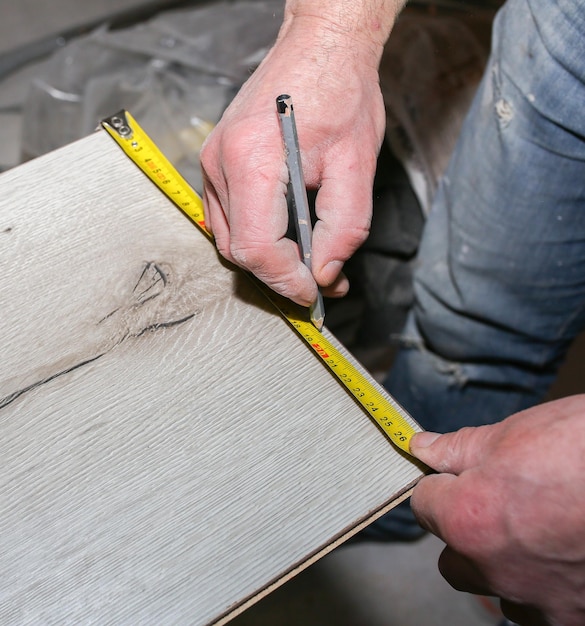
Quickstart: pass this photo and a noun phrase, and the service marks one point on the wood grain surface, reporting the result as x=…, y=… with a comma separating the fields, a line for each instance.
x=169, y=448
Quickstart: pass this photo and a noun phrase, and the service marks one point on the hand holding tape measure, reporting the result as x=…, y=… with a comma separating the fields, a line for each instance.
x=393, y=420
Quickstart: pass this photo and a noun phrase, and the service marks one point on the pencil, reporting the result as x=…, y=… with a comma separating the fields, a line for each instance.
x=299, y=200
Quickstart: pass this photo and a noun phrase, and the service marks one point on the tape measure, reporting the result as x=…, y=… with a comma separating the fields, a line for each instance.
x=393, y=420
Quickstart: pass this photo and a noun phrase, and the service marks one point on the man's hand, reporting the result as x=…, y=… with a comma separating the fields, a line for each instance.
x=510, y=505
x=331, y=71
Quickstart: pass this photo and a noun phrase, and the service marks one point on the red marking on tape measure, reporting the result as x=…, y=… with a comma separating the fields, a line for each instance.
x=320, y=351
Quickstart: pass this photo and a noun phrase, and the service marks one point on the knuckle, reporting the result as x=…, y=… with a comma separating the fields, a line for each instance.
x=208, y=153
x=251, y=256
x=289, y=279
x=355, y=235
x=223, y=247
x=471, y=521
x=237, y=142
x=452, y=457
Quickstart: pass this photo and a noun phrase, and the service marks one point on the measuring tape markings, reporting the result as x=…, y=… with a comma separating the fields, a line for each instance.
x=143, y=151
x=390, y=417
x=374, y=400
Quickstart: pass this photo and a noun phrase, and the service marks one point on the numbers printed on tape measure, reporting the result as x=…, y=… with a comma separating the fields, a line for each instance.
x=144, y=152
x=391, y=418
x=388, y=417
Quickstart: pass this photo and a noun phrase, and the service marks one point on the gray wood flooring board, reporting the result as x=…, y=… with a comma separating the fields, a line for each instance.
x=168, y=446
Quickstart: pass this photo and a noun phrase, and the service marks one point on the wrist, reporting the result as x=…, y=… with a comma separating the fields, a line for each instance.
x=360, y=27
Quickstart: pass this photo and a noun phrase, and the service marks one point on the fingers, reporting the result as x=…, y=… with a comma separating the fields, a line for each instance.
x=462, y=510
x=523, y=615
x=453, y=452
x=344, y=212
x=257, y=241
x=462, y=573
x=457, y=510
x=215, y=220
x=430, y=500
x=249, y=219
x=434, y=501
x=338, y=288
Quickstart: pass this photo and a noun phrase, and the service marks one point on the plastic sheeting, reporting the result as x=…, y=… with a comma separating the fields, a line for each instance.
x=175, y=73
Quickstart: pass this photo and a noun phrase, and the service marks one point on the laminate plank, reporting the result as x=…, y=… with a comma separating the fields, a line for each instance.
x=170, y=450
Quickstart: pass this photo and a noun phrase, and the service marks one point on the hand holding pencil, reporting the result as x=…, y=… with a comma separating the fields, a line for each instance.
x=340, y=122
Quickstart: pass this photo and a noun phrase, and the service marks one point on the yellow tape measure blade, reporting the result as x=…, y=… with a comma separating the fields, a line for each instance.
x=394, y=421
x=144, y=152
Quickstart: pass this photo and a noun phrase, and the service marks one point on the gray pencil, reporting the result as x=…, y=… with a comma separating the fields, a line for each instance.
x=299, y=200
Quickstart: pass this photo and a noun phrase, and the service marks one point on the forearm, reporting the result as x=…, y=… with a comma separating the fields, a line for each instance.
x=363, y=24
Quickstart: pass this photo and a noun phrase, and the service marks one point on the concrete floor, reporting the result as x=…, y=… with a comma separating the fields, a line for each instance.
x=359, y=584
x=371, y=585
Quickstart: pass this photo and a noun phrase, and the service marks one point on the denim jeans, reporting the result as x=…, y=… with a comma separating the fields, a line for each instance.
x=500, y=278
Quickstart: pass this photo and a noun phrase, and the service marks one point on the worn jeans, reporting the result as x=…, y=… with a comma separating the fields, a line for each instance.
x=500, y=278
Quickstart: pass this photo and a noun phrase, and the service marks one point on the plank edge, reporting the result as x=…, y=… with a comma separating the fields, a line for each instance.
x=230, y=614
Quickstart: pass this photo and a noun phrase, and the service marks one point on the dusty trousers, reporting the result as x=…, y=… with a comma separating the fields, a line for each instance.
x=500, y=277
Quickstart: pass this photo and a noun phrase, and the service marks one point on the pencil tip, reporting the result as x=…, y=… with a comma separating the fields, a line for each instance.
x=318, y=323
x=317, y=312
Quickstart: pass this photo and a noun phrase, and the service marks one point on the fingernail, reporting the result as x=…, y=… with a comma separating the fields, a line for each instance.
x=424, y=439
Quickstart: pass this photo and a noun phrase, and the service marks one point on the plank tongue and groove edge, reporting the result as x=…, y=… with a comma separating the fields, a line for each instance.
x=170, y=449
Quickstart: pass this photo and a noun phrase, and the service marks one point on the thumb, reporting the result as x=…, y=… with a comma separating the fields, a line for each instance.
x=451, y=453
